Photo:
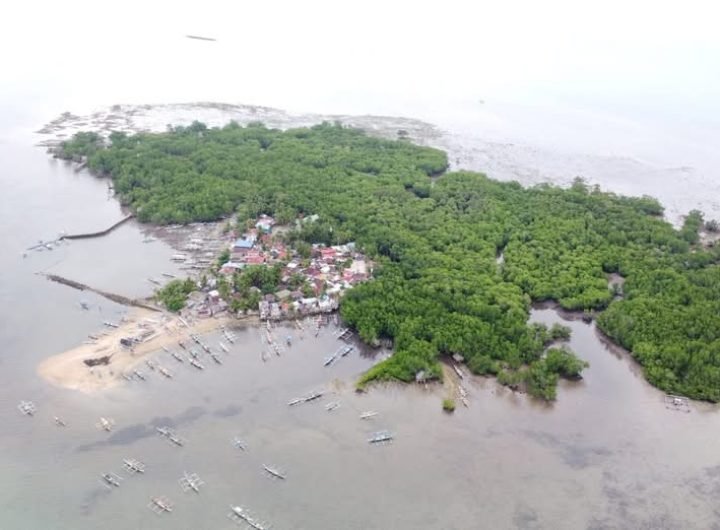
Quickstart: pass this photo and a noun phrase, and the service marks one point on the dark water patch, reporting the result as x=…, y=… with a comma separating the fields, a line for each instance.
x=92, y=498
x=125, y=436
x=228, y=412
x=571, y=451
x=526, y=518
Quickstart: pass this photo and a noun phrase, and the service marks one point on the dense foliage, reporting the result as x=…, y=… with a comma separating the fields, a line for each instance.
x=175, y=293
x=440, y=287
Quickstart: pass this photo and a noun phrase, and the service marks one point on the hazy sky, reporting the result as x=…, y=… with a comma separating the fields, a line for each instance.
x=466, y=49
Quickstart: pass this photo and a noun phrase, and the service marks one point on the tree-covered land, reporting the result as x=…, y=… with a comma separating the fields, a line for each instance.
x=439, y=288
x=175, y=293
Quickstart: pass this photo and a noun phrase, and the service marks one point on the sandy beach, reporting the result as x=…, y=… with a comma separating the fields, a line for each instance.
x=68, y=369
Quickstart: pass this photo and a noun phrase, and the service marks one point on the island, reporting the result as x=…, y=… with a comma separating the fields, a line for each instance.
x=459, y=258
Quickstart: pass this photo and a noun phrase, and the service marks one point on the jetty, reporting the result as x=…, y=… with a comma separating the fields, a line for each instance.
x=99, y=233
x=117, y=298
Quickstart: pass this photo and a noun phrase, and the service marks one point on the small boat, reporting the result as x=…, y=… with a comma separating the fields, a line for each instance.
x=330, y=360
x=105, y=424
x=153, y=280
x=27, y=407
x=238, y=515
x=191, y=482
x=182, y=345
x=194, y=354
x=165, y=372
x=163, y=431
x=332, y=405
x=368, y=414
x=381, y=437
x=168, y=275
x=295, y=401
x=216, y=358
x=224, y=348
x=459, y=372
x=274, y=472
x=111, y=479
x=150, y=364
x=139, y=375
x=346, y=350
x=133, y=466
x=176, y=440
x=196, y=364
x=59, y=422
x=177, y=357
x=239, y=444
x=160, y=505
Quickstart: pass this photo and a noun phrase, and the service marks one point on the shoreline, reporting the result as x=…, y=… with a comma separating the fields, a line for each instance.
x=68, y=369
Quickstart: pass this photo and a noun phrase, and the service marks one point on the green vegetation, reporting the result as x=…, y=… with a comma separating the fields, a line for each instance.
x=175, y=293
x=448, y=405
x=437, y=288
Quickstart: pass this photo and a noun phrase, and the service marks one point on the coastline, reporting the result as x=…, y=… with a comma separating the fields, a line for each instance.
x=68, y=369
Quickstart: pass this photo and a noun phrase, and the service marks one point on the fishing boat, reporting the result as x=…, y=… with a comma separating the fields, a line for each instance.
x=160, y=505
x=224, y=348
x=274, y=472
x=239, y=515
x=346, y=350
x=133, y=466
x=368, y=414
x=27, y=407
x=332, y=405
x=177, y=357
x=150, y=364
x=139, y=375
x=165, y=372
x=106, y=424
x=111, y=479
x=239, y=444
x=329, y=360
x=191, y=482
x=380, y=437
x=59, y=422
x=196, y=364
x=216, y=358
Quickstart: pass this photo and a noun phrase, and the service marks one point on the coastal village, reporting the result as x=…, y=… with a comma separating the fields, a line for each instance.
x=307, y=285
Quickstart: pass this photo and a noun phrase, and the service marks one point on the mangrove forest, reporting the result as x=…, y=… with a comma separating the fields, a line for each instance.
x=460, y=257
